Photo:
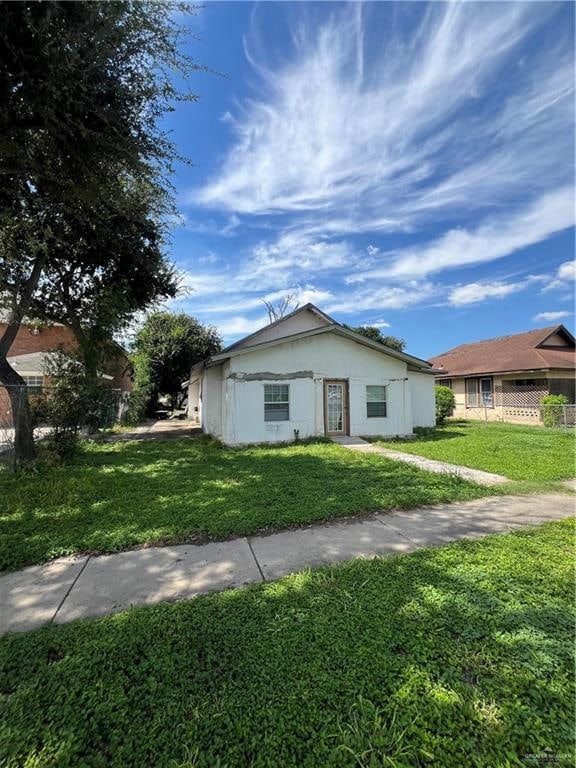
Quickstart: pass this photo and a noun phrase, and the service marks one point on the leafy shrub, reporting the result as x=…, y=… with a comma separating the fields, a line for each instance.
x=445, y=403
x=552, y=410
x=39, y=409
x=73, y=403
x=142, y=391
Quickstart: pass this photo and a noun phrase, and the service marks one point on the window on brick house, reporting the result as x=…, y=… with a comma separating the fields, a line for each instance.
x=35, y=384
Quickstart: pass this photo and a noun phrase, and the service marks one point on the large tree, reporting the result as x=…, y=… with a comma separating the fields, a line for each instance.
x=83, y=87
x=165, y=348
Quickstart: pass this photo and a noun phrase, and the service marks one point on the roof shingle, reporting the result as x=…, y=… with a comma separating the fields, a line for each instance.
x=520, y=352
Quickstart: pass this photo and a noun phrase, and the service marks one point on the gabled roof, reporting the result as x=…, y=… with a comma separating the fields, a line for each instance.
x=261, y=340
x=252, y=339
x=31, y=361
x=537, y=350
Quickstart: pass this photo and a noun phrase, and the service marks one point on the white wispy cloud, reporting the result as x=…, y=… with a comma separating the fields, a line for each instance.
x=550, y=317
x=379, y=297
x=292, y=255
x=347, y=137
x=450, y=128
x=567, y=271
x=563, y=279
x=497, y=237
x=473, y=293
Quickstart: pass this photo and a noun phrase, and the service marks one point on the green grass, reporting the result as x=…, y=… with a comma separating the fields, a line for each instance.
x=516, y=451
x=451, y=657
x=119, y=495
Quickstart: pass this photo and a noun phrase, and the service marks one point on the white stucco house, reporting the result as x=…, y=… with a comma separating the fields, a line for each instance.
x=308, y=375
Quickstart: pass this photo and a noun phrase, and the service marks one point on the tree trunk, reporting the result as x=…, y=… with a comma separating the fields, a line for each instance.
x=24, y=449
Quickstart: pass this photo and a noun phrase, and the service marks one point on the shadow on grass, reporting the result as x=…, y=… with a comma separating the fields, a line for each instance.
x=118, y=496
x=451, y=657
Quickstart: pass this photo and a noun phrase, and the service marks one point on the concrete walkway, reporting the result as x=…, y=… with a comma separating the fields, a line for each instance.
x=79, y=587
x=164, y=429
x=442, y=467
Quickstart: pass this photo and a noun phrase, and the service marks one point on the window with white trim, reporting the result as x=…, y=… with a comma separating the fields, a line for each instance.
x=276, y=402
x=35, y=384
x=375, y=400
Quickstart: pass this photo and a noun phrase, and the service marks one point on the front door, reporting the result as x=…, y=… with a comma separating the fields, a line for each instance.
x=336, y=407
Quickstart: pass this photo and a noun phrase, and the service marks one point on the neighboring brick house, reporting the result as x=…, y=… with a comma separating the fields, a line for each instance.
x=32, y=342
x=506, y=378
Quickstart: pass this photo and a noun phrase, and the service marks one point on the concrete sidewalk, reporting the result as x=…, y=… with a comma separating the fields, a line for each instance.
x=79, y=587
x=421, y=462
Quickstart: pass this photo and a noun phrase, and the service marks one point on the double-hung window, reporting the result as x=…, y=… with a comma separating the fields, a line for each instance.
x=479, y=393
x=276, y=402
x=472, y=393
x=375, y=400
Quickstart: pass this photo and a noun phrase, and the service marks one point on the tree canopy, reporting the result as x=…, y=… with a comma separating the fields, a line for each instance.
x=165, y=348
x=84, y=163
x=107, y=273
x=373, y=333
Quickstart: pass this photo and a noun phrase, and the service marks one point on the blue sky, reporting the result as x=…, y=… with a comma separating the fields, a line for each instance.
x=403, y=165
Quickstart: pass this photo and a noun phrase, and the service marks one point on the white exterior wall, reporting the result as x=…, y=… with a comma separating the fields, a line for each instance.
x=317, y=358
x=193, y=410
x=211, y=401
x=244, y=412
x=423, y=394
x=303, y=321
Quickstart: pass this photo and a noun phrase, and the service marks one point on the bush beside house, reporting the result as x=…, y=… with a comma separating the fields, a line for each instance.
x=445, y=403
x=553, y=412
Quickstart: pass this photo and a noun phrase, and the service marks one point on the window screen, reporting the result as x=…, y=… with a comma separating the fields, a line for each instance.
x=375, y=400
x=276, y=402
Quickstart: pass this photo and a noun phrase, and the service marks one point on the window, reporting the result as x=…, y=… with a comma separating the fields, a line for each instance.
x=479, y=393
x=445, y=383
x=35, y=384
x=471, y=393
x=375, y=400
x=276, y=402
x=486, y=392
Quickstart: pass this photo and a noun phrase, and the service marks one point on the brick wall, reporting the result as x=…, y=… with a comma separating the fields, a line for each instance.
x=54, y=336
x=48, y=338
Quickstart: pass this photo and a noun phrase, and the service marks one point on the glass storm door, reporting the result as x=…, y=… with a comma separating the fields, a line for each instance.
x=335, y=407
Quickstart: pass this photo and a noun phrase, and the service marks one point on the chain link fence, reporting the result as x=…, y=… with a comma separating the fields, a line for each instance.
x=547, y=416
x=12, y=398
x=563, y=416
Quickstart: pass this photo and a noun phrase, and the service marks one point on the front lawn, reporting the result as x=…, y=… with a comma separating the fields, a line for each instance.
x=451, y=657
x=119, y=495
x=516, y=451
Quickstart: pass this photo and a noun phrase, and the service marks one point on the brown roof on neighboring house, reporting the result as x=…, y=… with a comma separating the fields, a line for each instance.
x=537, y=350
